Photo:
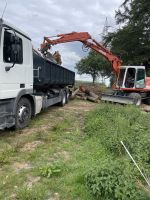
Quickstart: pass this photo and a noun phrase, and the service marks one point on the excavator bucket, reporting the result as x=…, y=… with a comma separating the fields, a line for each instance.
x=118, y=99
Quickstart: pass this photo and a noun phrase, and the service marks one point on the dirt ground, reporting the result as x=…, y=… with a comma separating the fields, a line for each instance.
x=145, y=108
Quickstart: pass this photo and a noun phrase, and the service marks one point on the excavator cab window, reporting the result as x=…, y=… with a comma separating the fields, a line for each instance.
x=130, y=78
x=140, y=78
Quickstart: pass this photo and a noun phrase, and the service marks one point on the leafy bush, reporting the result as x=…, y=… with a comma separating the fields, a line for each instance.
x=114, y=180
x=49, y=170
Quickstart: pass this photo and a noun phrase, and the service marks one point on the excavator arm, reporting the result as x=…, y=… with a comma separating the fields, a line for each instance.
x=88, y=41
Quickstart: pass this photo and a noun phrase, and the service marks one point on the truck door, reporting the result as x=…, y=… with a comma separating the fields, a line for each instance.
x=12, y=70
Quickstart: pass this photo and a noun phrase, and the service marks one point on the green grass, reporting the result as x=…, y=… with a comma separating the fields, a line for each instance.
x=109, y=125
x=35, y=193
x=72, y=142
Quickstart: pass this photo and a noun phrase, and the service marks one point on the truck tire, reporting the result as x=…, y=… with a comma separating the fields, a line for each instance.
x=67, y=96
x=137, y=98
x=63, y=99
x=23, y=113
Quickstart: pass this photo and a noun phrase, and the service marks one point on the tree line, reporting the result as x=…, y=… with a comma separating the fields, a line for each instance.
x=130, y=42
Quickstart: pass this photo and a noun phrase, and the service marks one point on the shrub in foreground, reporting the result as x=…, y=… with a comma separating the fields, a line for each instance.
x=114, y=180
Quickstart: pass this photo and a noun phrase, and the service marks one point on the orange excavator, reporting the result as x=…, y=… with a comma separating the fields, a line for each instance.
x=131, y=85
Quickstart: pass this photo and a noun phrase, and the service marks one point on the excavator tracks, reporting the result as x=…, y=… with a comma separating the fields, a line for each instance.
x=120, y=99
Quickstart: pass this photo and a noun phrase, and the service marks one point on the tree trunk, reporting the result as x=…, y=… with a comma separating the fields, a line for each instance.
x=94, y=79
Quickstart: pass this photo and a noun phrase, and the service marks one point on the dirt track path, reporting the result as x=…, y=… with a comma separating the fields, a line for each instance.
x=57, y=114
x=48, y=118
x=145, y=108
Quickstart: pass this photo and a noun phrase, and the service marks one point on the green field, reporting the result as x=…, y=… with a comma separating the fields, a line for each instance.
x=63, y=149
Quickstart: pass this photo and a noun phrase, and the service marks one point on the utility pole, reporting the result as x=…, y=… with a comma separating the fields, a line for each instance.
x=105, y=29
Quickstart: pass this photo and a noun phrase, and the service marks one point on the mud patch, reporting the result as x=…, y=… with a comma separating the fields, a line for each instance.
x=31, y=146
x=21, y=166
x=29, y=131
x=55, y=196
x=13, y=196
x=145, y=108
x=32, y=180
x=63, y=154
x=60, y=155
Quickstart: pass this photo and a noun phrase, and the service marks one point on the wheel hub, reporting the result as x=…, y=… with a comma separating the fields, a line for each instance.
x=23, y=113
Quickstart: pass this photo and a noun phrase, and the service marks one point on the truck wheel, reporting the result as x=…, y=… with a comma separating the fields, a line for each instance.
x=23, y=113
x=137, y=98
x=63, y=99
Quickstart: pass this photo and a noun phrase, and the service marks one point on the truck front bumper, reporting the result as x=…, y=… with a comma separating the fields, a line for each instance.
x=7, y=117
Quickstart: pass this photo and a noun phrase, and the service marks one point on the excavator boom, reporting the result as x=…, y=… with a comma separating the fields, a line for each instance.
x=88, y=41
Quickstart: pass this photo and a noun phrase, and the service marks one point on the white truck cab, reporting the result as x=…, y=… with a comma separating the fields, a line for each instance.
x=16, y=76
x=16, y=62
x=22, y=68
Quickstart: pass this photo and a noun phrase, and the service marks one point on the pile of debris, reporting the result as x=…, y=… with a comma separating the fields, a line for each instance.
x=85, y=93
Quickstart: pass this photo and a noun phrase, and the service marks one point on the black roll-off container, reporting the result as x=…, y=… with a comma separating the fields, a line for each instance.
x=48, y=74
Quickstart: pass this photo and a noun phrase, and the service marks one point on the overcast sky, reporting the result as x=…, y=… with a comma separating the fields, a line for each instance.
x=39, y=18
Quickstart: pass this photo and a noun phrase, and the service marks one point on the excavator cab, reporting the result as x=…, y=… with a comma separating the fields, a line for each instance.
x=130, y=82
x=132, y=77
